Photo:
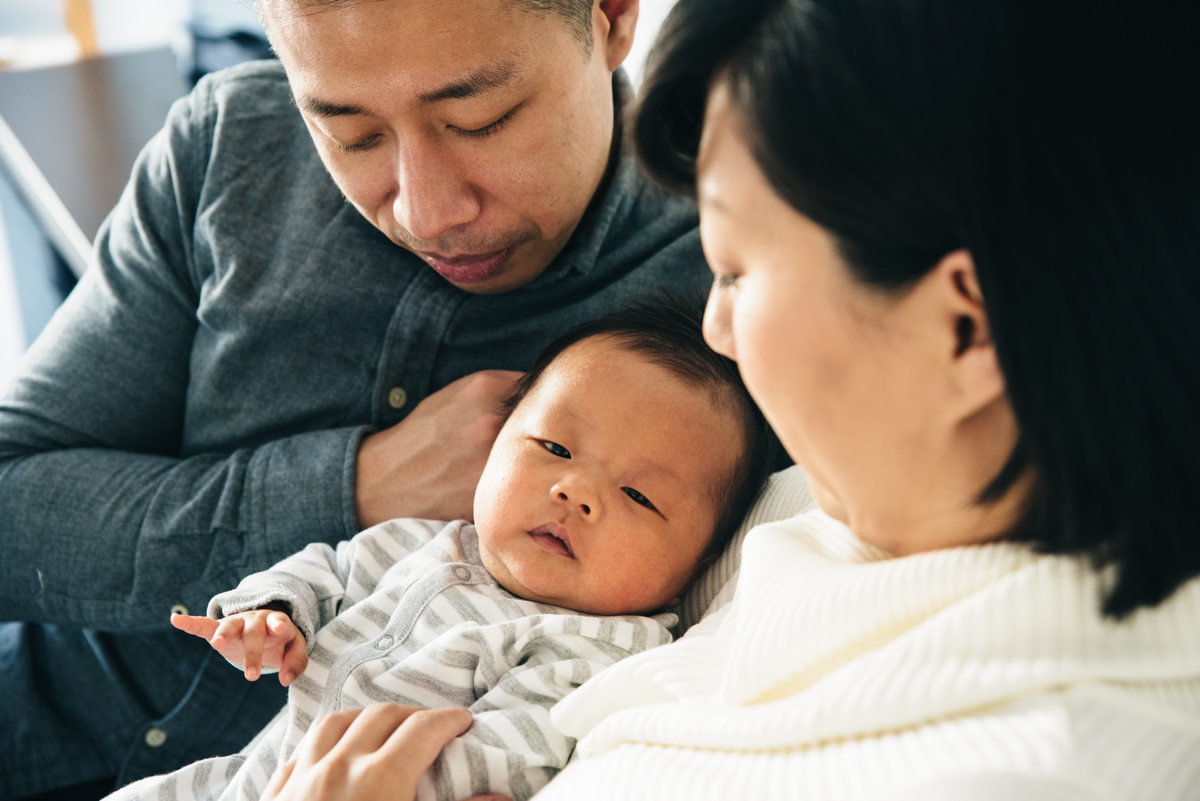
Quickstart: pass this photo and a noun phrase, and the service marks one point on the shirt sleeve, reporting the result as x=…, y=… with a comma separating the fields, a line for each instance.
x=320, y=582
x=105, y=526
x=525, y=667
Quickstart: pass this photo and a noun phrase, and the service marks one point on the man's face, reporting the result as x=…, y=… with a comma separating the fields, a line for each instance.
x=471, y=132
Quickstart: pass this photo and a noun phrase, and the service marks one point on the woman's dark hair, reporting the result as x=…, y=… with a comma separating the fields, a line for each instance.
x=1058, y=142
x=666, y=331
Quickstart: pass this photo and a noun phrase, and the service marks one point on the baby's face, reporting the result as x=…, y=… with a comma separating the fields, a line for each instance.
x=597, y=495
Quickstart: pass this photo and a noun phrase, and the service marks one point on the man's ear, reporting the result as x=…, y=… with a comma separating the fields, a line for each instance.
x=617, y=20
x=975, y=376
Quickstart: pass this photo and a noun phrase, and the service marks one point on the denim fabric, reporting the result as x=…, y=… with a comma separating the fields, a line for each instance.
x=193, y=412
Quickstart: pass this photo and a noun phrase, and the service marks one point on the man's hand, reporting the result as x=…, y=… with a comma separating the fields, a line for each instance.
x=428, y=464
x=372, y=754
x=256, y=638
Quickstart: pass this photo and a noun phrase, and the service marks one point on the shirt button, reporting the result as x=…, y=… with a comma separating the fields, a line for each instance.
x=179, y=609
x=397, y=398
x=155, y=737
x=461, y=573
x=385, y=642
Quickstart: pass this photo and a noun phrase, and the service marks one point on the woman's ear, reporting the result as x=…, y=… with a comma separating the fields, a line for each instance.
x=617, y=20
x=975, y=378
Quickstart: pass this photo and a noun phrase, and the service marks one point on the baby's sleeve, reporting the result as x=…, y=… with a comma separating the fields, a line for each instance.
x=524, y=668
x=320, y=582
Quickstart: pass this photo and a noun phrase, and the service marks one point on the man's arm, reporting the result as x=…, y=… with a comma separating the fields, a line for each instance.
x=104, y=524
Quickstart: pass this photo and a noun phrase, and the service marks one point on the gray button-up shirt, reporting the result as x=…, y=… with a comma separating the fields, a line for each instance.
x=193, y=412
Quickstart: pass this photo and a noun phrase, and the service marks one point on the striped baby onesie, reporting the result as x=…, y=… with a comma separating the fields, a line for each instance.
x=405, y=612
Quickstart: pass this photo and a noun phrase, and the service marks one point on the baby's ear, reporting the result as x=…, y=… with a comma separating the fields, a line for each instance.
x=697, y=572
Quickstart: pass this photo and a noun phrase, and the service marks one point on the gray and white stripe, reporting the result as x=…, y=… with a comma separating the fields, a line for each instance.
x=405, y=612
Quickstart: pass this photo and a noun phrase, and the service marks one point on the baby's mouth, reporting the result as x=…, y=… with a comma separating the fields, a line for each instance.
x=553, y=538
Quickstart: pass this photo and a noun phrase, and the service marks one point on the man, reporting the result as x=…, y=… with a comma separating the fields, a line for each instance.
x=280, y=342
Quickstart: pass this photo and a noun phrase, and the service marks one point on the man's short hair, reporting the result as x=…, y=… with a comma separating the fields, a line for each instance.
x=667, y=332
x=576, y=13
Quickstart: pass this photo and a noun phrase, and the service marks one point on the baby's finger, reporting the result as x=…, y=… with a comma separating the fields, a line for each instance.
x=229, y=630
x=253, y=634
x=280, y=625
x=295, y=660
x=198, y=626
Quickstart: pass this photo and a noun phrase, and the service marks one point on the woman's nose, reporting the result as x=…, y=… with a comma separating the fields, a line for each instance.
x=718, y=323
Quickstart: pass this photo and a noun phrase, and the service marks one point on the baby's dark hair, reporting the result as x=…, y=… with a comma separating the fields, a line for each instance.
x=666, y=332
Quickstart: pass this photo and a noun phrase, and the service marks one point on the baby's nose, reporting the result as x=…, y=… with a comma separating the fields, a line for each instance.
x=583, y=507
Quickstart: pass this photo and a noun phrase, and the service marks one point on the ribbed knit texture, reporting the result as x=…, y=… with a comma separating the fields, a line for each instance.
x=839, y=673
x=785, y=495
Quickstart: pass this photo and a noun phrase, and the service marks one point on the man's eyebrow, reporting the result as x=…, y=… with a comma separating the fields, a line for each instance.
x=323, y=108
x=473, y=84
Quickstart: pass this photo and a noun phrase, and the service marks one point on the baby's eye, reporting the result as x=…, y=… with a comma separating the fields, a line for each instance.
x=556, y=449
x=638, y=497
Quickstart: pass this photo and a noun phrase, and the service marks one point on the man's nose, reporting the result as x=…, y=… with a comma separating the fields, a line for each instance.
x=432, y=195
x=580, y=493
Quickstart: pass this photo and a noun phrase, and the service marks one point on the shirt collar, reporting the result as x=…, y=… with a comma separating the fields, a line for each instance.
x=609, y=207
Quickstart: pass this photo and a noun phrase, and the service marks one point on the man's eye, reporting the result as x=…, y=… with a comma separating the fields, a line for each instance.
x=487, y=130
x=360, y=146
x=638, y=497
x=556, y=449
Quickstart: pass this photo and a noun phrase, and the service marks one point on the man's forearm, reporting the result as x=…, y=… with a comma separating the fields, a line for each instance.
x=112, y=540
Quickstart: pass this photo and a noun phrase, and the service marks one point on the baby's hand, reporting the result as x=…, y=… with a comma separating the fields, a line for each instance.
x=255, y=638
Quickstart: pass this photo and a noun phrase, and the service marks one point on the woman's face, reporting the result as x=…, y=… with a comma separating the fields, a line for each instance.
x=864, y=388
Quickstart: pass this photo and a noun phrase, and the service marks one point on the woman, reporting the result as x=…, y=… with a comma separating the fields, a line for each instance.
x=954, y=249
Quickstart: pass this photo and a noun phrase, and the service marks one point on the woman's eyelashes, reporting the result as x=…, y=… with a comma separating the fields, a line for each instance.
x=638, y=498
x=556, y=449
x=724, y=280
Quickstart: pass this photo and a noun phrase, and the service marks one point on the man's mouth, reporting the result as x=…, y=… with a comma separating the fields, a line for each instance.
x=469, y=268
x=553, y=538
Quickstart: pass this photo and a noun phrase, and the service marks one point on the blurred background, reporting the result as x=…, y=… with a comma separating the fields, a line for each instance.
x=83, y=85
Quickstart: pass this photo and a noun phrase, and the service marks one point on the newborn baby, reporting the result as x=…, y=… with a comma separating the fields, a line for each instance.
x=629, y=456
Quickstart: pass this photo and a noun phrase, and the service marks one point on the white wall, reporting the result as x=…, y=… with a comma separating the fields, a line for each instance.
x=126, y=25
x=650, y=19
x=33, y=33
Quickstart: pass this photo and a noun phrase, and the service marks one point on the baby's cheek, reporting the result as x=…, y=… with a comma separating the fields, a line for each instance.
x=490, y=494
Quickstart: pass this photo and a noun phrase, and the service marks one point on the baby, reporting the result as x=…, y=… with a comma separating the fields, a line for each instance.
x=629, y=456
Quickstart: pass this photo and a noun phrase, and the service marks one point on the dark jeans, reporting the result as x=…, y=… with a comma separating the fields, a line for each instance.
x=80, y=706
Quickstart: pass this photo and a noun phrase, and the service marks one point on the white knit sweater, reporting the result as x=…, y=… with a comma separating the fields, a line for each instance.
x=982, y=672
